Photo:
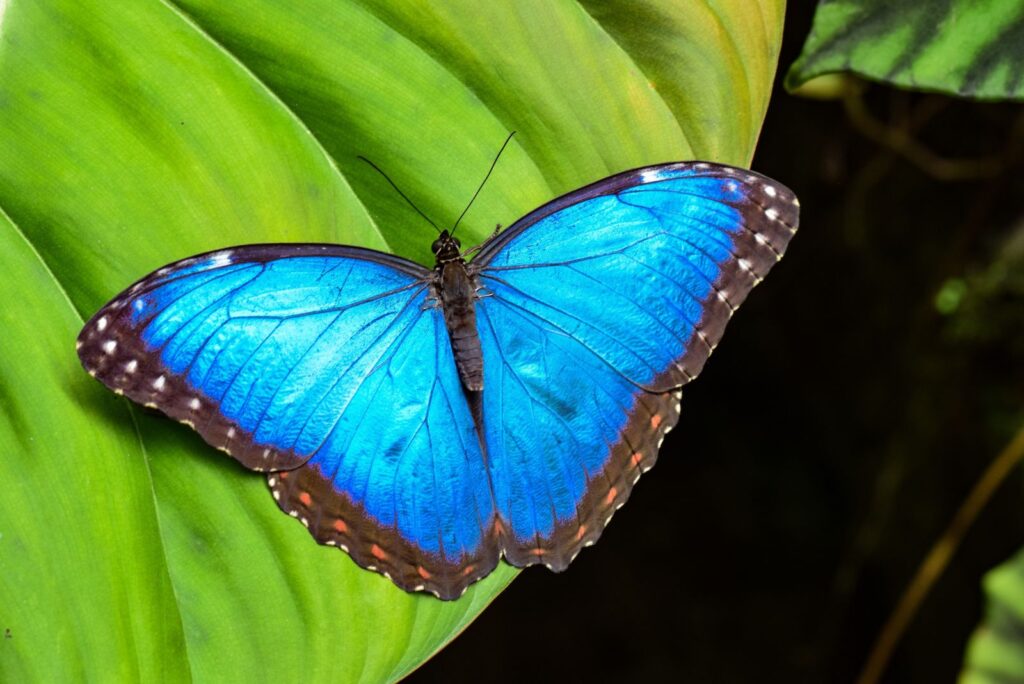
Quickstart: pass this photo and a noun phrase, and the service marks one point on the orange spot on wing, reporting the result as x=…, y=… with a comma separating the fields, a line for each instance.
x=656, y=420
x=637, y=458
x=611, y=495
x=537, y=552
x=498, y=527
x=340, y=526
x=305, y=498
x=468, y=571
x=423, y=572
x=378, y=552
x=283, y=474
x=580, y=532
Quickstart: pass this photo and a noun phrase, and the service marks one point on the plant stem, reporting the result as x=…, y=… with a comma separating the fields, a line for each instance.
x=938, y=558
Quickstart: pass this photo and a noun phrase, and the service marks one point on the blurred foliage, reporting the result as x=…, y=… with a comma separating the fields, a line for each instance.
x=995, y=654
x=961, y=47
x=974, y=50
x=986, y=309
x=986, y=305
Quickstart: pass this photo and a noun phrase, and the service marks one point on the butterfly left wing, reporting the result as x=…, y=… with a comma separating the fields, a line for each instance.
x=603, y=304
x=326, y=366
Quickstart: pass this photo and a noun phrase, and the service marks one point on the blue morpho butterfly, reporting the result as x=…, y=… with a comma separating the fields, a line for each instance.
x=431, y=421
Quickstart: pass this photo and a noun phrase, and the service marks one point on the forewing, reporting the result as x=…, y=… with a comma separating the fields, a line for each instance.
x=236, y=343
x=645, y=268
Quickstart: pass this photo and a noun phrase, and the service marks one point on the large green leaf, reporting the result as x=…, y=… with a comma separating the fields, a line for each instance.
x=973, y=48
x=995, y=652
x=134, y=133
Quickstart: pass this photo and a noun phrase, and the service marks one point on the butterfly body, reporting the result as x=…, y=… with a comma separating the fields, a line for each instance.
x=456, y=289
x=432, y=421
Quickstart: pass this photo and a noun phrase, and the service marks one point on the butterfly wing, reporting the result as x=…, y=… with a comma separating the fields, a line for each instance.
x=326, y=366
x=603, y=303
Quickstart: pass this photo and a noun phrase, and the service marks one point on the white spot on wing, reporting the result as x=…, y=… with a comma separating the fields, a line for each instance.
x=131, y=366
x=101, y=324
x=220, y=259
x=771, y=214
x=109, y=346
x=650, y=176
x=770, y=191
x=195, y=404
x=160, y=383
x=231, y=433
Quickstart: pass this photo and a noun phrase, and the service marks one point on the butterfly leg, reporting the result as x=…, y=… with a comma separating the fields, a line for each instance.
x=476, y=248
x=431, y=301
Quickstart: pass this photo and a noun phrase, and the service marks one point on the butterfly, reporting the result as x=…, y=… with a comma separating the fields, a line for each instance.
x=431, y=421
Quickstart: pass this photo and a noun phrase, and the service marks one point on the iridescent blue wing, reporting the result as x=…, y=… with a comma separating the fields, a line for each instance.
x=603, y=304
x=326, y=366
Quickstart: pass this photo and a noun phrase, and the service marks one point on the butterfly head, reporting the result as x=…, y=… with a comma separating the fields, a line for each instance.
x=446, y=248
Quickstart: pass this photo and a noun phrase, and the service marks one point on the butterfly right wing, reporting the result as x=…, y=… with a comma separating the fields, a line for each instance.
x=327, y=365
x=601, y=305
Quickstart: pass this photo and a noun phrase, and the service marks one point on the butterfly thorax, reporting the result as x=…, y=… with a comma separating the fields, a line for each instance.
x=456, y=290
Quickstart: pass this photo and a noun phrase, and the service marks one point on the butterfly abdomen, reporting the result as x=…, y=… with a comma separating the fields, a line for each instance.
x=457, y=293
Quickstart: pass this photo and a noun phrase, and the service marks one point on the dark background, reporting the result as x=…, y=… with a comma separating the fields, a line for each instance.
x=854, y=402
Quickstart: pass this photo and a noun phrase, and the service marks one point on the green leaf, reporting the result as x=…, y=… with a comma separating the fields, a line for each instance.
x=973, y=48
x=136, y=133
x=995, y=652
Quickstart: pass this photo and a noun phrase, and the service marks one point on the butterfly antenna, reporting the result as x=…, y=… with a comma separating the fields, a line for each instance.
x=493, y=164
x=399, y=191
